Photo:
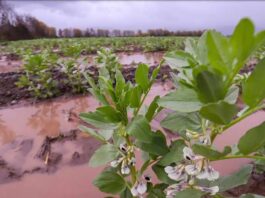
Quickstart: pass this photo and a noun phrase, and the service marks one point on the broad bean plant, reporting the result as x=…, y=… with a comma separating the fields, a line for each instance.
x=205, y=105
x=38, y=77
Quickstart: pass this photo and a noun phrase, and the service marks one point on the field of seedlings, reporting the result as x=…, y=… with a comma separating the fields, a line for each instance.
x=153, y=110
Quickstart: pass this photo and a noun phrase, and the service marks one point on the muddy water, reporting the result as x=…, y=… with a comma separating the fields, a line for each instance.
x=151, y=58
x=45, y=119
x=231, y=137
x=131, y=58
x=23, y=131
x=9, y=66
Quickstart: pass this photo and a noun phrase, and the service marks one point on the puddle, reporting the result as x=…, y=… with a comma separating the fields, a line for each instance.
x=150, y=58
x=69, y=182
x=9, y=66
x=232, y=136
x=44, y=119
x=23, y=130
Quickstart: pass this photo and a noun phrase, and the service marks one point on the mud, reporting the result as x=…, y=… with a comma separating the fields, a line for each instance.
x=11, y=94
x=43, y=154
x=13, y=63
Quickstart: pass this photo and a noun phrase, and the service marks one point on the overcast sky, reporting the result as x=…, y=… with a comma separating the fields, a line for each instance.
x=173, y=15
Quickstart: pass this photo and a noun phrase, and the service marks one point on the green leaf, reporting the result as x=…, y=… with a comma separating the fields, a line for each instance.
x=188, y=193
x=179, y=122
x=210, y=153
x=140, y=129
x=259, y=39
x=182, y=100
x=210, y=85
x=251, y=196
x=110, y=182
x=92, y=133
x=161, y=174
x=126, y=194
x=141, y=76
x=253, y=139
x=104, y=117
x=243, y=33
x=105, y=133
x=136, y=95
x=236, y=179
x=220, y=112
x=202, y=51
x=155, y=73
x=97, y=120
x=94, y=90
x=104, y=155
x=175, y=154
x=218, y=51
x=156, y=145
x=120, y=83
x=178, y=59
x=109, y=113
x=152, y=109
x=232, y=95
x=157, y=191
x=191, y=46
x=253, y=88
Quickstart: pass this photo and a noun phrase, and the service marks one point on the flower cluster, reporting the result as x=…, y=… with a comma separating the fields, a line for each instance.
x=198, y=138
x=140, y=187
x=127, y=159
x=194, y=166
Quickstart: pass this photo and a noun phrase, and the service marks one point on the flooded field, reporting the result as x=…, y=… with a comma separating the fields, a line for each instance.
x=151, y=58
x=40, y=143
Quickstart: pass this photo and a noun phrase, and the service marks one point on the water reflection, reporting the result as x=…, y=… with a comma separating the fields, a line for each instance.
x=44, y=119
x=150, y=58
x=6, y=135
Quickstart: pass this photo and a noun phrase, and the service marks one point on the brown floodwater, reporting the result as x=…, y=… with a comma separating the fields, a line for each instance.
x=150, y=58
x=23, y=129
x=9, y=66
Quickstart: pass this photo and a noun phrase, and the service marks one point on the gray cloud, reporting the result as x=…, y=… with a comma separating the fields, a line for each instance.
x=173, y=15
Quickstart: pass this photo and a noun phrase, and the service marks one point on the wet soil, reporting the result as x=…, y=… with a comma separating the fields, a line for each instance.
x=43, y=154
x=11, y=94
x=13, y=63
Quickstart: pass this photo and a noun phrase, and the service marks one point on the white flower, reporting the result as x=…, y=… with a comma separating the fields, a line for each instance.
x=132, y=161
x=176, y=173
x=115, y=163
x=125, y=169
x=205, y=139
x=191, y=134
x=188, y=153
x=192, y=169
x=208, y=173
x=212, y=190
x=123, y=148
x=126, y=160
x=139, y=189
x=172, y=190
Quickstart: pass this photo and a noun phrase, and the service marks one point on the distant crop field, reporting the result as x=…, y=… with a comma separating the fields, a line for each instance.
x=67, y=46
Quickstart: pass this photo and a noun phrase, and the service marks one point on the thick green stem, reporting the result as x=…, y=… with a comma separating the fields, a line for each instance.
x=246, y=114
x=242, y=156
x=147, y=92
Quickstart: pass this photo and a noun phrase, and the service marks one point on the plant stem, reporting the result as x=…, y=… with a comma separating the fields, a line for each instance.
x=246, y=114
x=242, y=156
x=151, y=83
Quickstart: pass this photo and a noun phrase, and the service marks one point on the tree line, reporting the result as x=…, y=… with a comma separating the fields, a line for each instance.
x=90, y=32
x=17, y=27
